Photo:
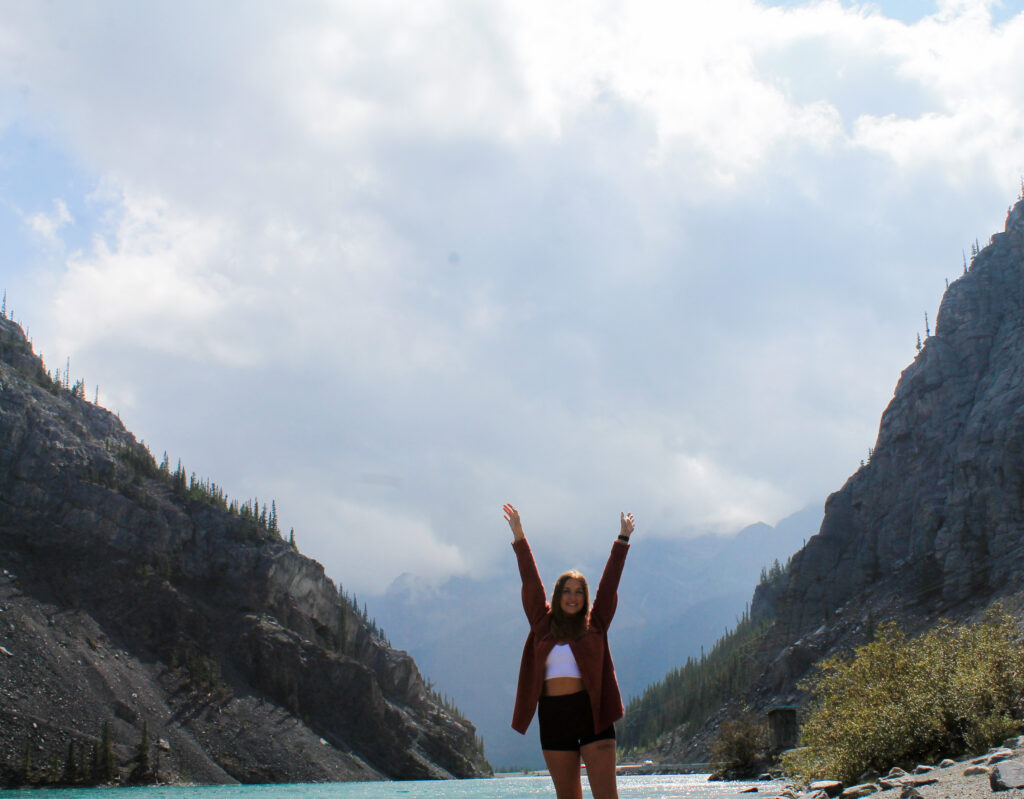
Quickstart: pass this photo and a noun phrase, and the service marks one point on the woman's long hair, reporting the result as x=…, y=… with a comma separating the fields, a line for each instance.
x=563, y=626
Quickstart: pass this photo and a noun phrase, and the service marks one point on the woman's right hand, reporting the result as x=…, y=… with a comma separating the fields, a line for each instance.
x=512, y=517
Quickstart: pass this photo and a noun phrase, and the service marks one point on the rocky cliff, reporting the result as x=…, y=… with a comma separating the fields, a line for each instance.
x=933, y=525
x=128, y=597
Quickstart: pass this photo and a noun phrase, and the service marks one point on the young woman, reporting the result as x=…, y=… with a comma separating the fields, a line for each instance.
x=566, y=675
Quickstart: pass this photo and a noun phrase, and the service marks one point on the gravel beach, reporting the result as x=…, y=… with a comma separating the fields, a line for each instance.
x=966, y=778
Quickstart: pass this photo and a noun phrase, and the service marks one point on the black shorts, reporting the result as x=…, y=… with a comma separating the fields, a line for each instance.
x=567, y=723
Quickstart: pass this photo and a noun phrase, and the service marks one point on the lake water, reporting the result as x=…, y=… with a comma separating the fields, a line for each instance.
x=666, y=786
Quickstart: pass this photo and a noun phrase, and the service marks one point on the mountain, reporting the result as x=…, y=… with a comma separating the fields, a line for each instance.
x=933, y=525
x=132, y=600
x=675, y=597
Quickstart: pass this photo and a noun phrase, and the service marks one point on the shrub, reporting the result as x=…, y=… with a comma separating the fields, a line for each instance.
x=895, y=701
x=739, y=749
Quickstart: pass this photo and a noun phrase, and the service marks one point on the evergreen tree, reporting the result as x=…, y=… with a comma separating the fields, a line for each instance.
x=70, y=772
x=272, y=526
x=142, y=770
x=108, y=765
x=26, y=758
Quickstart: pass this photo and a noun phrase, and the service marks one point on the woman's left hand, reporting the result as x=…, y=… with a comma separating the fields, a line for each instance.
x=628, y=524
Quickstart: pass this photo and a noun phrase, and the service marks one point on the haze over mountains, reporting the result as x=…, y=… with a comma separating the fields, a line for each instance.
x=676, y=596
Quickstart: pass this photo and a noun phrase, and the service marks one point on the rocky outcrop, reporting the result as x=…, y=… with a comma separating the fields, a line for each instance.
x=127, y=596
x=934, y=523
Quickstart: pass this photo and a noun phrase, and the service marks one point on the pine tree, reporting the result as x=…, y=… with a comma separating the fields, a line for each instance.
x=26, y=758
x=108, y=765
x=272, y=526
x=70, y=768
x=142, y=770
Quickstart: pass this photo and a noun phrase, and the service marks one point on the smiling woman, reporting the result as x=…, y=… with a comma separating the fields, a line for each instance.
x=566, y=675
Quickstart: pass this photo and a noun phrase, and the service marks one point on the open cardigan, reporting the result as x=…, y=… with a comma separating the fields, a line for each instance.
x=591, y=651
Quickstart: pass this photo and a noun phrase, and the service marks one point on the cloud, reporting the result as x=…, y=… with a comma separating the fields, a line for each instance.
x=48, y=226
x=582, y=256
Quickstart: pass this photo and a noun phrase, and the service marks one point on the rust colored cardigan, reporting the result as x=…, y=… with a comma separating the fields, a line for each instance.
x=591, y=651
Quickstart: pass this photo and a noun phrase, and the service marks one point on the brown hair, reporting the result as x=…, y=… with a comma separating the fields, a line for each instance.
x=564, y=626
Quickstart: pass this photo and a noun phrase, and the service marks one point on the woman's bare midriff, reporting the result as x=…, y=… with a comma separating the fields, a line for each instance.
x=561, y=686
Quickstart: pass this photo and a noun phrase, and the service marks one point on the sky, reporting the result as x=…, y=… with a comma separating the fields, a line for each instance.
x=392, y=265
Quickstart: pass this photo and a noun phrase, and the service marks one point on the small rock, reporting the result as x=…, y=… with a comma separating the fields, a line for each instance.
x=751, y=789
x=1014, y=743
x=830, y=787
x=922, y=769
x=972, y=771
x=998, y=756
x=887, y=784
x=819, y=795
x=910, y=792
x=1007, y=774
x=4, y=650
x=947, y=763
x=896, y=771
x=856, y=791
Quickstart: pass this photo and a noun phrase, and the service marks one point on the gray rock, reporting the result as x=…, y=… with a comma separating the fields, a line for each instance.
x=830, y=787
x=1006, y=775
x=947, y=763
x=998, y=755
x=923, y=769
x=896, y=771
x=973, y=771
x=856, y=791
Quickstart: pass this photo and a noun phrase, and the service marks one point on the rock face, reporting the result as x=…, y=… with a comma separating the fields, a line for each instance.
x=934, y=523
x=127, y=597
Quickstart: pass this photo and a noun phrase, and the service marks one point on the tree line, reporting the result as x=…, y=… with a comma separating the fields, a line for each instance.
x=89, y=763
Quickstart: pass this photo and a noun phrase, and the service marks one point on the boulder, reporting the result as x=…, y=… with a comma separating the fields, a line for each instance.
x=856, y=791
x=1006, y=775
x=830, y=787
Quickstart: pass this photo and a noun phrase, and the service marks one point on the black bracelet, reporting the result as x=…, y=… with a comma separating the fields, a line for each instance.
x=624, y=538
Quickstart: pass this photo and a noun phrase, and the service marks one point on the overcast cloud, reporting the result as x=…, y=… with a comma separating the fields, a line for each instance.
x=395, y=264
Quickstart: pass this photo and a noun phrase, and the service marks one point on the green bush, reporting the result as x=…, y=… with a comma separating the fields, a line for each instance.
x=953, y=691
x=739, y=749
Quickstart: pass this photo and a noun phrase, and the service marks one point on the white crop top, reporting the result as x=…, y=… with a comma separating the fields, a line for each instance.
x=561, y=663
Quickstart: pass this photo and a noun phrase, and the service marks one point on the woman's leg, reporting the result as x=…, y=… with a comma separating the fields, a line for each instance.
x=564, y=768
x=600, y=759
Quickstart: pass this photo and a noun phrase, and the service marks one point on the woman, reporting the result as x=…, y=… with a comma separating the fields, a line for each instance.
x=566, y=674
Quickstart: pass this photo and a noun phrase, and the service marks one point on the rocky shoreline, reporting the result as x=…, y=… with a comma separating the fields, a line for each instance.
x=999, y=772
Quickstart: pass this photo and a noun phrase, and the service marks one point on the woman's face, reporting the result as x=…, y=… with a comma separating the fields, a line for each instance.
x=573, y=597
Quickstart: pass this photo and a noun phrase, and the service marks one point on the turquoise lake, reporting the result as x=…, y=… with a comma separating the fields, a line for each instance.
x=669, y=786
